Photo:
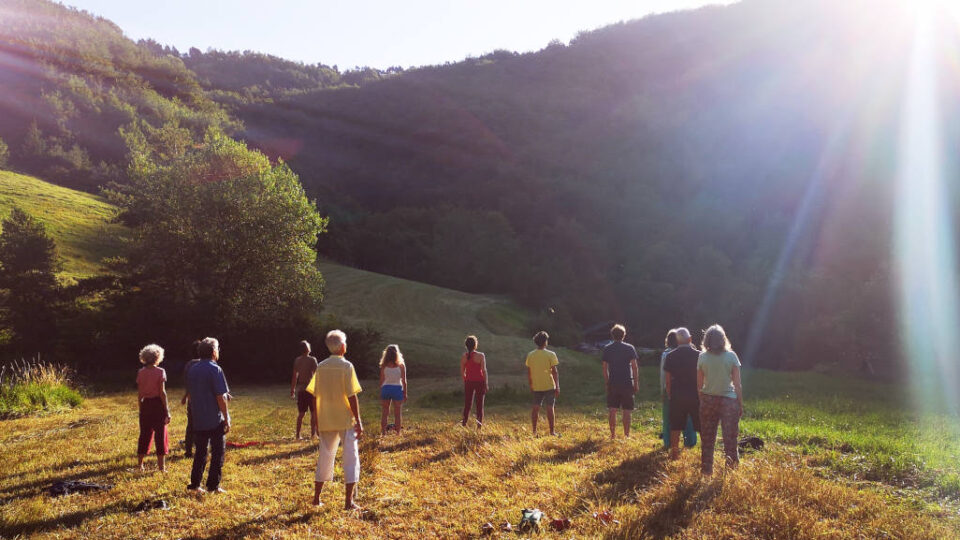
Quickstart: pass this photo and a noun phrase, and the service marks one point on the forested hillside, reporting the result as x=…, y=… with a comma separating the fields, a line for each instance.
x=651, y=170
x=718, y=165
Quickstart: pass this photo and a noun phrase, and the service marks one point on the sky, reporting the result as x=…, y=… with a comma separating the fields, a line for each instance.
x=380, y=33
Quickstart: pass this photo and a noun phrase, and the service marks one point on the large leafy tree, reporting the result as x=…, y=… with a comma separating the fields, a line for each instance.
x=28, y=283
x=224, y=241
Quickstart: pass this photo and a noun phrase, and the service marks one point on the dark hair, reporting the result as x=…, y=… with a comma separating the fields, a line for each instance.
x=541, y=338
x=195, y=349
x=671, y=342
x=471, y=344
x=618, y=332
x=305, y=347
x=205, y=350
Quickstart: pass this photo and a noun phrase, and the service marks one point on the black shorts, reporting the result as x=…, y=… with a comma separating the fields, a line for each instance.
x=546, y=397
x=305, y=401
x=681, y=408
x=620, y=397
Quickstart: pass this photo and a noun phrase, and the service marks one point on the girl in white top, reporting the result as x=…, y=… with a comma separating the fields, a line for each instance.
x=393, y=387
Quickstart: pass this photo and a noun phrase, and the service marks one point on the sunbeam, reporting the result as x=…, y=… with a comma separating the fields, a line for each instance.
x=923, y=239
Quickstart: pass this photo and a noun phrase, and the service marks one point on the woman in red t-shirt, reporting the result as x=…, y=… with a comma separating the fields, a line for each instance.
x=473, y=369
x=152, y=400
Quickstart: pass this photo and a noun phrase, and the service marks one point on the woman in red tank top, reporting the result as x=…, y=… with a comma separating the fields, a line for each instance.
x=473, y=369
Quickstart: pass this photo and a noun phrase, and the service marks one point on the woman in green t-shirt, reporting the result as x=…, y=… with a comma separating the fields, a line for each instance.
x=721, y=397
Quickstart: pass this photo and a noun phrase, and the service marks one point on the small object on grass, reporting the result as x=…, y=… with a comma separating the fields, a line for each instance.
x=59, y=489
x=247, y=444
x=506, y=527
x=560, y=524
x=486, y=529
x=153, y=504
x=604, y=517
x=752, y=443
x=530, y=520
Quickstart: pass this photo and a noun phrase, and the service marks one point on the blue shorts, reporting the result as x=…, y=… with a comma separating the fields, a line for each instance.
x=391, y=392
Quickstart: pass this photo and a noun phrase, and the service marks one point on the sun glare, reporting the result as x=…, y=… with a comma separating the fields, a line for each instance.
x=923, y=239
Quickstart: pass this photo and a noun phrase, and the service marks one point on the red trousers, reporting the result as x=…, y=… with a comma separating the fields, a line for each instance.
x=153, y=426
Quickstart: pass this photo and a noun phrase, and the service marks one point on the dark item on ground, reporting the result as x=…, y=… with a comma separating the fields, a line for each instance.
x=506, y=527
x=154, y=504
x=245, y=444
x=561, y=524
x=751, y=443
x=59, y=489
x=530, y=520
x=487, y=529
x=390, y=427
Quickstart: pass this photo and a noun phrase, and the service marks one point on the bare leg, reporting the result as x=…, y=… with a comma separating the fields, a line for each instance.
x=534, y=416
x=674, y=444
x=398, y=415
x=140, y=460
x=550, y=419
x=626, y=422
x=349, y=504
x=299, y=423
x=161, y=462
x=314, y=423
x=384, y=414
x=317, y=488
x=613, y=423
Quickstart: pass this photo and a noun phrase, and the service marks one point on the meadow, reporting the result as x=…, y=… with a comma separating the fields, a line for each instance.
x=80, y=223
x=438, y=480
x=844, y=458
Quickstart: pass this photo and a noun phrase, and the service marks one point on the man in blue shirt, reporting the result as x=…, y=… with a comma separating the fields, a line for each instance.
x=620, y=372
x=208, y=391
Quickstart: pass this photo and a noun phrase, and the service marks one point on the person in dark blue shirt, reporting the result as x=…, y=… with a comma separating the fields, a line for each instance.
x=208, y=395
x=620, y=374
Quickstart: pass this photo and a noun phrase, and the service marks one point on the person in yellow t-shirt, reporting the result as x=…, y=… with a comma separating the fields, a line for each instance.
x=544, y=380
x=335, y=388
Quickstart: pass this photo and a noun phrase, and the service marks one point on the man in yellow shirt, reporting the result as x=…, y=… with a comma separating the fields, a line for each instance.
x=544, y=380
x=335, y=387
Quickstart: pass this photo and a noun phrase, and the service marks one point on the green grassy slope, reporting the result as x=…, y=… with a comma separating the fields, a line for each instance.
x=79, y=222
x=430, y=323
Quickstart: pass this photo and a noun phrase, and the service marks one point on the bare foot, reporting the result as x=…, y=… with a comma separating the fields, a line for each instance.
x=352, y=506
x=316, y=502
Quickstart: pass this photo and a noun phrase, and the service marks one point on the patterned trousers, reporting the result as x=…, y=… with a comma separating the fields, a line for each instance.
x=726, y=412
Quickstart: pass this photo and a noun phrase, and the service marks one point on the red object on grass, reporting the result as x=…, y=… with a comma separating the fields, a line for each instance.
x=244, y=444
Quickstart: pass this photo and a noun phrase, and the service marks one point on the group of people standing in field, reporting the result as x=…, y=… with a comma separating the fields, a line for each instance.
x=701, y=389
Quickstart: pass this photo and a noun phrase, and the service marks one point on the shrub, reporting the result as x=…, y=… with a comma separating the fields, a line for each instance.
x=34, y=386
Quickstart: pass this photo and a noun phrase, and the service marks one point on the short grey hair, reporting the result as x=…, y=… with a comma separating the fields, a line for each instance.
x=151, y=355
x=335, y=338
x=207, y=347
x=683, y=334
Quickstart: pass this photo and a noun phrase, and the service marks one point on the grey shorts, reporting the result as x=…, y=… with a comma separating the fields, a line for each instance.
x=620, y=397
x=547, y=397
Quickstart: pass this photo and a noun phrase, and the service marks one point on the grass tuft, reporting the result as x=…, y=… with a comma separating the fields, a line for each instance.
x=31, y=386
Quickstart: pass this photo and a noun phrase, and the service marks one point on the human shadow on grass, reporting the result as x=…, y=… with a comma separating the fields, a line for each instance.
x=674, y=514
x=65, y=466
x=631, y=475
x=260, y=460
x=256, y=526
x=66, y=521
x=408, y=444
x=556, y=454
x=436, y=458
x=35, y=487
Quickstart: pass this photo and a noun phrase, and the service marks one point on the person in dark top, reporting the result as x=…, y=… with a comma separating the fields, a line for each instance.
x=680, y=368
x=620, y=374
x=188, y=440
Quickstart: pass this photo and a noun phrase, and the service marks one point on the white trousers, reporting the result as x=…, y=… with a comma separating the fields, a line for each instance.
x=329, y=440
